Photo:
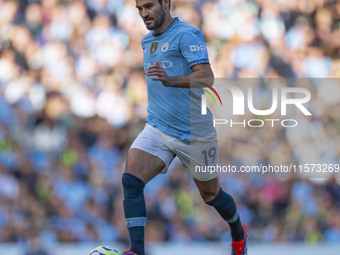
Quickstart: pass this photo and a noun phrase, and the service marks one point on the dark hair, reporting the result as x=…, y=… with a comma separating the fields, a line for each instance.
x=161, y=2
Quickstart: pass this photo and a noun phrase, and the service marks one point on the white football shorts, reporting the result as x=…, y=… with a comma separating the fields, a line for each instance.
x=202, y=151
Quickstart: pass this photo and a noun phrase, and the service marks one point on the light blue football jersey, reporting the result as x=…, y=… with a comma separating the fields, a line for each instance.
x=177, y=49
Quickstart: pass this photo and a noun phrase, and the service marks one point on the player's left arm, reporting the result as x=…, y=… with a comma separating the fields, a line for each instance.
x=199, y=71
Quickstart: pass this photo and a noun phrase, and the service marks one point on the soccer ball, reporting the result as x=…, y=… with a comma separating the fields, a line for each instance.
x=104, y=250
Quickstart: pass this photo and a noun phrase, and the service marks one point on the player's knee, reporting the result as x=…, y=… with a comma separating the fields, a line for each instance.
x=208, y=195
x=132, y=186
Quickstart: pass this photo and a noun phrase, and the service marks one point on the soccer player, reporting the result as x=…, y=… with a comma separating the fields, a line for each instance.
x=174, y=53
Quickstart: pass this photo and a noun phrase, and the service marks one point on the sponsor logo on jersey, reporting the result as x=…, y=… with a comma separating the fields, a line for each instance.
x=164, y=64
x=165, y=47
x=153, y=48
x=196, y=47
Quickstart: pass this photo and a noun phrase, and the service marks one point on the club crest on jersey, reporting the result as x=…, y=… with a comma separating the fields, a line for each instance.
x=153, y=48
x=165, y=47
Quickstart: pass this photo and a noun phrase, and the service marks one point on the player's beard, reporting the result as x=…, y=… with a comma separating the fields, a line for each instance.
x=158, y=20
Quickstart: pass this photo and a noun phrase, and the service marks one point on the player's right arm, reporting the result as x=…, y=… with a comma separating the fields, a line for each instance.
x=199, y=71
x=193, y=48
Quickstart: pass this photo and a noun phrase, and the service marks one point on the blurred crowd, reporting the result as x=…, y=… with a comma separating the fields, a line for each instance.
x=73, y=98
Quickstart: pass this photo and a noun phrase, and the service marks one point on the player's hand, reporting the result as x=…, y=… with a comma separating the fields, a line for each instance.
x=157, y=70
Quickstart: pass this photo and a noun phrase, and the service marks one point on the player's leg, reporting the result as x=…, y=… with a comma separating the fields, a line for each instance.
x=147, y=157
x=215, y=196
x=204, y=152
x=141, y=167
x=224, y=204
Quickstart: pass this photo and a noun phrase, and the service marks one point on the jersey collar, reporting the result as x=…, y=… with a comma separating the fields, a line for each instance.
x=168, y=28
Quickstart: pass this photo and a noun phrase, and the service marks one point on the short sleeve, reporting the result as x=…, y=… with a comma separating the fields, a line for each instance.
x=194, y=48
